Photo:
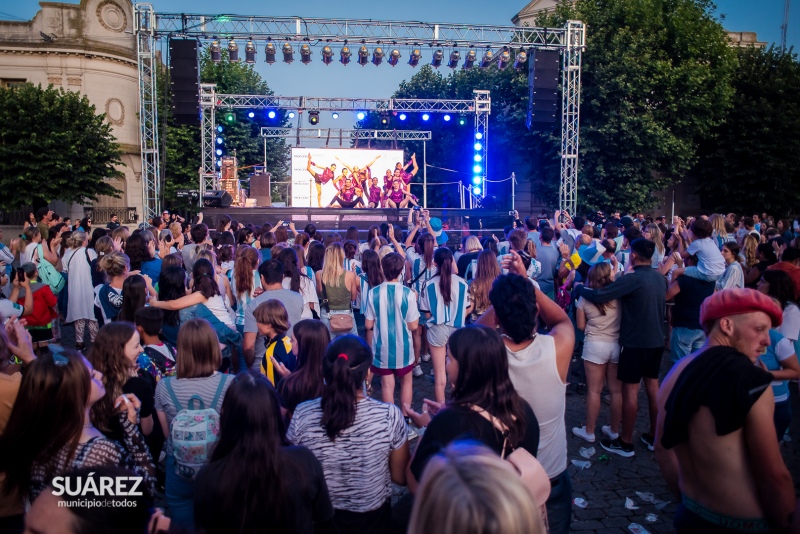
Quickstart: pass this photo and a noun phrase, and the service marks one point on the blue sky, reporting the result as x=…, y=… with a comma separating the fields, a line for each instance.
x=762, y=16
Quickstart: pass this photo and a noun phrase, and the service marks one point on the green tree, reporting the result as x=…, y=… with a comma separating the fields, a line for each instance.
x=656, y=82
x=54, y=146
x=752, y=163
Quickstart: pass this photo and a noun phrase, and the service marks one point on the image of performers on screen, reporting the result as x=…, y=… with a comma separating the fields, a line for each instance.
x=324, y=177
x=357, y=172
x=400, y=170
x=398, y=197
x=374, y=193
x=349, y=196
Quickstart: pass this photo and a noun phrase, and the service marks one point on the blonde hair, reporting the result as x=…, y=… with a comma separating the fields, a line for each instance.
x=198, y=350
x=656, y=237
x=749, y=246
x=28, y=235
x=176, y=230
x=206, y=254
x=123, y=233
x=103, y=246
x=718, y=224
x=76, y=239
x=384, y=250
x=468, y=489
x=114, y=264
x=333, y=265
x=273, y=313
x=473, y=244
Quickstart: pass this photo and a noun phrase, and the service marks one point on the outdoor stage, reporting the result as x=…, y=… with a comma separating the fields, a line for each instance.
x=336, y=219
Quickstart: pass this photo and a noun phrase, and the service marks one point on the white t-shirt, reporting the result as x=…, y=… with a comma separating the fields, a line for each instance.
x=790, y=327
x=216, y=305
x=308, y=290
x=601, y=327
x=709, y=259
x=26, y=256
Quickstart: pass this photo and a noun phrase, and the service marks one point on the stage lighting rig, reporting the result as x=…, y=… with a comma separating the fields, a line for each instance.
x=520, y=59
x=402, y=116
x=305, y=54
x=327, y=55
x=269, y=53
x=271, y=114
x=288, y=53
x=216, y=51
x=377, y=56
x=251, y=115
x=334, y=115
x=313, y=117
x=438, y=56
x=455, y=57
x=361, y=115
x=394, y=57
x=363, y=55
x=503, y=59
x=488, y=57
x=344, y=57
x=425, y=116
x=416, y=55
x=233, y=51
x=462, y=120
x=250, y=53
x=384, y=118
x=291, y=115
x=446, y=118
x=476, y=190
x=470, y=60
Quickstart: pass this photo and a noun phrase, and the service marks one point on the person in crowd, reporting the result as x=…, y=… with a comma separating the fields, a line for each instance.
x=600, y=324
x=44, y=311
x=149, y=322
x=284, y=490
x=654, y=234
x=245, y=281
x=469, y=490
x=486, y=273
x=224, y=246
x=223, y=283
x=715, y=408
x=391, y=315
x=790, y=264
x=298, y=281
x=422, y=268
x=472, y=248
x=97, y=234
x=273, y=323
x=765, y=257
x=50, y=431
x=271, y=274
x=33, y=248
x=80, y=306
x=371, y=276
x=309, y=342
x=200, y=240
x=548, y=256
x=199, y=358
x=44, y=216
x=338, y=288
x=710, y=264
x=171, y=286
x=267, y=241
x=734, y=275
x=134, y=296
x=445, y=303
x=642, y=296
x=315, y=257
x=719, y=233
x=688, y=294
x=360, y=442
x=538, y=366
x=141, y=249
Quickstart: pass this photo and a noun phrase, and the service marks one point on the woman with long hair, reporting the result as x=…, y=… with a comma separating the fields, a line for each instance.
x=361, y=443
x=267, y=241
x=245, y=281
x=486, y=273
x=420, y=258
x=351, y=263
x=600, y=323
x=337, y=286
x=296, y=280
x=224, y=246
x=445, y=301
x=371, y=276
x=50, y=430
x=719, y=233
x=199, y=357
x=653, y=233
x=171, y=286
x=748, y=253
x=28, y=248
x=115, y=267
x=134, y=297
x=255, y=480
x=224, y=223
x=765, y=257
x=141, y=249
x=223, y=282
x=351, y=234
x=733, y=275
x=80, y=306
x=482, y=394
x=316, y=256
x=310, y=340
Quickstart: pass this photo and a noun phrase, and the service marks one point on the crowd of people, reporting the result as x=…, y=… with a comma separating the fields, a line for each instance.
x=230, y=371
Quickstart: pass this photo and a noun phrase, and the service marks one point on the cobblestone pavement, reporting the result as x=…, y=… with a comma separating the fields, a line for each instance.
x=606, y=484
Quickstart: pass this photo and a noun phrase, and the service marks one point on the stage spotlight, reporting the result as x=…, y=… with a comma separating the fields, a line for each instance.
x=488, y=57
x=360, y=115
x=219, y=128
x=219, y=152
x=477, y=180
x=384, y=119
x=394, y=57
x=479, y=136
x=520, y=59
x=377, y=56
x=345, y=55
x=476, y=190
x=313, y=117
x=477, y=168
x=363, y=55
x=219, y=163
x=478, y=158
x=416, y=55
x=216, y=51
x=327, y=55
x=288, y=53
x=438, y=56
x=335, y=115
x=455, y=57
x=271, y=114
x=219, y=140
x=425, y=116
x=305, y=54
x=503, y=59
x=402, y=116
x=251, y=114
x=470, y=60
x=291, y=115
x=233, y=51
x=446, y=118
x=269, y=53
x=250, y=53
x=462, y=120
x=478, y=146
x=230, y=117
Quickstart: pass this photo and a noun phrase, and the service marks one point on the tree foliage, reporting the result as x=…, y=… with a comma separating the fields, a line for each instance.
x=54, y=146
x=752, y=162
x=656, y=82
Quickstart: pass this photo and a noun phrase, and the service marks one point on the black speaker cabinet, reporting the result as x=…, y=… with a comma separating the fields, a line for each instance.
x=217, y=199
x=184, y=81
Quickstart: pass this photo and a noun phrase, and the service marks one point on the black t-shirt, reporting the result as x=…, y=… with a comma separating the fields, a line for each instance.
x=686, y=312
x=220, y=510
x=463, y=262
x=145, y=392
x=460, y=423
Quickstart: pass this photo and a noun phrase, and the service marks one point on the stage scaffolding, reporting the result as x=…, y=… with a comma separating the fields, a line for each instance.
x=316, y=32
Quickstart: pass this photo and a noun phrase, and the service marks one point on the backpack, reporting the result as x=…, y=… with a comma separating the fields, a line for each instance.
x=194, y=431
x=564, y=298
x=162, y=366
x=48, y=274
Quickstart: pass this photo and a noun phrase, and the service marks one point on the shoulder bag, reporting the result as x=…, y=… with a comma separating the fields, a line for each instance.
x=338, y=322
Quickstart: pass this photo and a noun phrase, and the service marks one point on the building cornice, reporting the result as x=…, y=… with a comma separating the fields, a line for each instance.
x=129, y=61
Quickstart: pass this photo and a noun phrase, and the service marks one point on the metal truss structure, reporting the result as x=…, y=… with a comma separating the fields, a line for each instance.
x=150, y=27
x=317, y=133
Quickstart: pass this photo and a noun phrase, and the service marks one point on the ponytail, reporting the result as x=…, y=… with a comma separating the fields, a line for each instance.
x=427, y=243
x=344, y=368
x=444, y=262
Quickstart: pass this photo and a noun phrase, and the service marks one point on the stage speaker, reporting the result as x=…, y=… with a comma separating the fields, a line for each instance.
x=184, y=81
x=259, y=189
x=543, y=70
x=217, y=199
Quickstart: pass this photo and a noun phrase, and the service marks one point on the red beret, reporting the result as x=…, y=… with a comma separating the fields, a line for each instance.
x=736, y=301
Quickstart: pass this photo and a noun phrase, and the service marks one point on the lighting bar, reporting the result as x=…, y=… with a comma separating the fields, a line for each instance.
x=345, y=55
x=520, y=59
x=503, y=59
x=488, y=57
x=216, y=52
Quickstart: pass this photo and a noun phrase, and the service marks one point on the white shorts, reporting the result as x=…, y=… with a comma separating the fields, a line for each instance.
x=438, y=334
x=600, y=352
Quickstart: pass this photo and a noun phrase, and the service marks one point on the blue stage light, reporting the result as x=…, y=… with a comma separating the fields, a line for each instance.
x=251, y=115
x=477, y=180
x=219, y=163
x=478, y=146
x=478, y=135
x=447, y=118
x=336, y=115
x=476, y=190
x=219, y=128
x=271, y=114
x=425, y=116
x=478, y=157
x=219, y=140
x=291, y=114
x=360, y=116
x=219, y=152
x=477, y=168
x=402, y=116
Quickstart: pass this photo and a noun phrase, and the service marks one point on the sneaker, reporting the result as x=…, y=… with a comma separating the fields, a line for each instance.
x=648, y=440
x=607, y=431
x=616, y=446
x=425, y=357
x=417, y=371
x=580, y=431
